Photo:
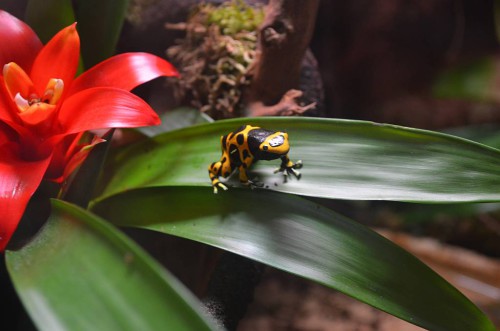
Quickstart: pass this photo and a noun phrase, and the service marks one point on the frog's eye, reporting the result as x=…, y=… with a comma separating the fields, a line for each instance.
x=277, y=141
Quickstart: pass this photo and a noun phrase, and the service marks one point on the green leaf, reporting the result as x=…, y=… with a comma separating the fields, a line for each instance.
x=47, y=17
x=176, y=119
x=487, y=134
x=99, y=24
x=342, y=159
x=301, y=237
x=80, y=273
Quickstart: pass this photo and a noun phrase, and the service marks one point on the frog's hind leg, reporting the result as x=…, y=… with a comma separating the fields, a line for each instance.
x=214, y=171
x=288, y=168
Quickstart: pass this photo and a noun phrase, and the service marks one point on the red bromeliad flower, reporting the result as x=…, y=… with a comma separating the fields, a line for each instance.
x=45, y=110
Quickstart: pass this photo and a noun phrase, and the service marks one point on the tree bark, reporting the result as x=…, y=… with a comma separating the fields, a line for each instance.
x=283, y=40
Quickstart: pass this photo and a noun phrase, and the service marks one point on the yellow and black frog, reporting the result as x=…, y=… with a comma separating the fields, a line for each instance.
x=247, y=145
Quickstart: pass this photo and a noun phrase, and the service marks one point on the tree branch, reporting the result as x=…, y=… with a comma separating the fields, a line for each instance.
x=283, y=40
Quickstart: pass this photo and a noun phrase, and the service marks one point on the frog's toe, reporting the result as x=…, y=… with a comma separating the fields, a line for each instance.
x=218, y=186
x=297, y=165
x=296, y=173
x=290, y=171
x=254, y=183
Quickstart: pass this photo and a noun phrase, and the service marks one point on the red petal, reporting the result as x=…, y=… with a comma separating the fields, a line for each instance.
x=18, y=181
x=7, y=134
x=18, y=133
x=77, y=159
x=17, y=81
x=8, y=110
x=125, y=71
x=105, y=107
x=63, y=150
x=19, y=43
x=58, y=59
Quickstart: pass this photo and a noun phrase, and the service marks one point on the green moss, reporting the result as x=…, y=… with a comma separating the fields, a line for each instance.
x=235, y=16
x=215, y=56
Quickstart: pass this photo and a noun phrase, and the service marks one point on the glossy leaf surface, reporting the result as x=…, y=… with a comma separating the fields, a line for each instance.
x=100, y=24
x=178, y=118
x=298, y=236
x=342, y=160
x=80, y=273
x=47, y=17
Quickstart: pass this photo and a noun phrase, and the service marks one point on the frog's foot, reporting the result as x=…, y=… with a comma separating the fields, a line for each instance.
x=253, y=183
x=290, y=170
x=218, y=186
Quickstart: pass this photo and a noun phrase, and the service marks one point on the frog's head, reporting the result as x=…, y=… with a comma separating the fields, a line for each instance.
x=275, y=144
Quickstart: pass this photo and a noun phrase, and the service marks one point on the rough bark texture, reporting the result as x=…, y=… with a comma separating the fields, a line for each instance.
x=283, y=40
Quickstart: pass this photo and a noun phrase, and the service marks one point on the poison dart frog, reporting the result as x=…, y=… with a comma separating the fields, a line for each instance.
x=247, y=145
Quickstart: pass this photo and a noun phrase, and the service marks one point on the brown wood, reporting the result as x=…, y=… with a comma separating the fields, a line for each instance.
x=283, y=40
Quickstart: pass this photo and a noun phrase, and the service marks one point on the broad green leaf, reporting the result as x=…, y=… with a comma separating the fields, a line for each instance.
x=99, y=24
x=80, y=273
x=342, y=159
x=47, y=17
x=487, y=134
x=301, y=237
x=176, y=119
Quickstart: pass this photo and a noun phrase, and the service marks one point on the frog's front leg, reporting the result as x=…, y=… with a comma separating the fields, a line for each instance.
x=287, y=167
x=245, y=180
